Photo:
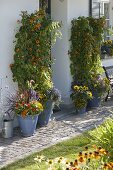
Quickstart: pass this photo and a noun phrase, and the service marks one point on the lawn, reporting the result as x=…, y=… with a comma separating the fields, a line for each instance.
x=68, y=149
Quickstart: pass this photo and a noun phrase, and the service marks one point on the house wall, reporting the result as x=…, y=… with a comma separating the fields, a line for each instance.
x=9, y=14
x=109, y=62
x=111, y=13
x=65, y=11
x=61, y=70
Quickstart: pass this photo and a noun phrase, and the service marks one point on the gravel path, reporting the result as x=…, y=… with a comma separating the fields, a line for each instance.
x=64, y=125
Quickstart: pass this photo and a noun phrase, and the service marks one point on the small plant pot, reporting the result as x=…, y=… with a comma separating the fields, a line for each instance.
x=7, y=131
x=44, y=117
x=81, y=111
x=95, y=102
x=27, y=124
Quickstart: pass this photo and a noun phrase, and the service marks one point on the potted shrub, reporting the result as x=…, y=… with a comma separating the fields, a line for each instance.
x=107, y=48
x=53, y=97
x=32, y=53
x=98, y=86
x=80, y=97
x=27, y=108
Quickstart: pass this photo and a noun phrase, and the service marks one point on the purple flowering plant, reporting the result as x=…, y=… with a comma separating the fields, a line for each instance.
x=99, y=84
x=55, y=95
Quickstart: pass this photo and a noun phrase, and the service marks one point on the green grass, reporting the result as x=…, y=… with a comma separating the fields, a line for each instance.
x=68, y=149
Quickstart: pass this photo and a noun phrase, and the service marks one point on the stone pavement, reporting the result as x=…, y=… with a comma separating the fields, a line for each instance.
x=64, y=125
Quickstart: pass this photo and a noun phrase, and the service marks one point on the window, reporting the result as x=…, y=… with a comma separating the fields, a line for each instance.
x=48, y=4
x=99, y=8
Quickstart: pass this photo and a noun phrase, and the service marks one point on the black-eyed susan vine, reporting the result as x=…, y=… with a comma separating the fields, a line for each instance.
x=32, y=52
x=86, y=36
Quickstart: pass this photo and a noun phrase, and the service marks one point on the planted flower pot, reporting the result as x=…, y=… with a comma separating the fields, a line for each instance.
x=44, y=117
x=81, y=110
x=95, y=101
x=28, y=124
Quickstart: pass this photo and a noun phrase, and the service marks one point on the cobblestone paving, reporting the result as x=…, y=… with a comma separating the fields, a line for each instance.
x=64, y=125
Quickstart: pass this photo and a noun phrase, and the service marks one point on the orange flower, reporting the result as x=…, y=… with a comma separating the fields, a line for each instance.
x=37, y=26
x=80, y=154
x=91, y=155
x=11, y=65
x=30, y=49
x=24, y=113
x=76, y=162
x=81, y=159
x=17, y=50
x=96, y=155
x=86, y=155
x=37, y=41
x=31, y=21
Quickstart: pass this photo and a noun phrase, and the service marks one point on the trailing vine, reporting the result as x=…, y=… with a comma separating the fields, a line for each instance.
x=32, y=53
x=86, y=36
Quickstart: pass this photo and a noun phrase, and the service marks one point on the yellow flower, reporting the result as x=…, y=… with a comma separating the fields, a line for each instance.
x=61, y=160
x=49, y=162
x=76, y=87
x=85, y=88
x=89, y=94
x=81, y=159
x=39, y=158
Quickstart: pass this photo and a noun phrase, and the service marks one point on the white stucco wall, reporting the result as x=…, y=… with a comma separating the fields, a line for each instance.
x=111, y=13
x=9, y=14
x=65, y=11
x=61, y=72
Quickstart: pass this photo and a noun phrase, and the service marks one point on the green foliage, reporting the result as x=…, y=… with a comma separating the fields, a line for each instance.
x=99, y=85
x=103, y=136
x=68, y=148
x=32, y=57
x=80, y=96
x=86, y=36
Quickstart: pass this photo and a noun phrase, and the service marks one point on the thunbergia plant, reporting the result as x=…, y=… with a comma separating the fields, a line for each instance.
x=99, y=85
x=107, y=47
x=32, y=53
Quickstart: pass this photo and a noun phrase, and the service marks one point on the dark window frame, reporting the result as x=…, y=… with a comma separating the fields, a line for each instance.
x=41, y=5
